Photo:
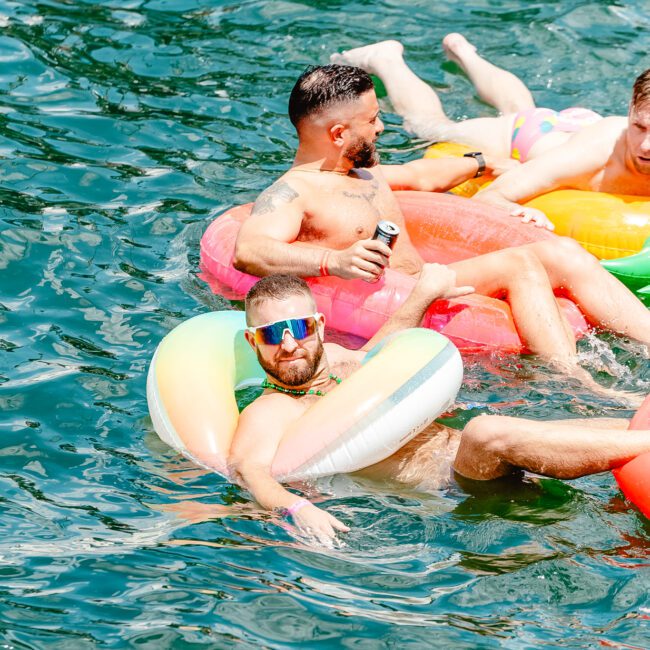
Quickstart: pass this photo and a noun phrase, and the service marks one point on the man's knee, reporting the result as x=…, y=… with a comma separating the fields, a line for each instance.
x=566, y=251
x=523, y=263
x=482, y=447
x=430, y=126
x=485, y=432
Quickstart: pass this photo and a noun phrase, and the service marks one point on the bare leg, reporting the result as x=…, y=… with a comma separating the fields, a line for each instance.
x=605, y=301
x=519, y=274
x=492, y=446
x=420, y=106
x=527, y=276
x=424, y=461
x=498, y=87
x=411, y=97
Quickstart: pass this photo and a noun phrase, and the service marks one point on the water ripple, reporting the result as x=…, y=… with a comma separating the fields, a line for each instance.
x=124, y=127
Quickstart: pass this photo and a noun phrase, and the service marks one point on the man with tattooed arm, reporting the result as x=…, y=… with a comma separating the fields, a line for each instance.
x=319, y=217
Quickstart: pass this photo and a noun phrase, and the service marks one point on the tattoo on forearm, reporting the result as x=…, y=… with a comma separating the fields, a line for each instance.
x=272, y=197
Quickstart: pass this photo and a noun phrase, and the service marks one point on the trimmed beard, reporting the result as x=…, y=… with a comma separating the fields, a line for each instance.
x=362, y=154
x=293, y=376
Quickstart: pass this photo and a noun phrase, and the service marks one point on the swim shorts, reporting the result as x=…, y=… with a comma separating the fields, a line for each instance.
x=532, y=124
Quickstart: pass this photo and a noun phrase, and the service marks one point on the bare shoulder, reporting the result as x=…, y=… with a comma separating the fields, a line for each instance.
x=338, y=355
x=603, y=133
x=278, y=195
x=259, y=430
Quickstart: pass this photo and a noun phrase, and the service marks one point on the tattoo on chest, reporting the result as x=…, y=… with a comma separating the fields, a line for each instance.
x=368, y=197
x=272, y=197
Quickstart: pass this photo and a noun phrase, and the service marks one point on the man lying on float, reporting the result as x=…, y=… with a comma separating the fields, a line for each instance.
x=319, y=217
x=286, y=333
x=571, y=149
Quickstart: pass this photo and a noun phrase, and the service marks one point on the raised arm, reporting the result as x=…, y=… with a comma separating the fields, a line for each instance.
x=259, y=432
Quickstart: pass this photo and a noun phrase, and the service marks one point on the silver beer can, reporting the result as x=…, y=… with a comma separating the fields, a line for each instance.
x=387, y=232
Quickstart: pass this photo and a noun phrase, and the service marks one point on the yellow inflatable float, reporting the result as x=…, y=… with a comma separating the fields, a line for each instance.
x=613, y=227
x=607, y=225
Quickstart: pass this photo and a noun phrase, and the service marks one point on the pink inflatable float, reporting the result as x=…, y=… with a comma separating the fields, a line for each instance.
x=444, y=229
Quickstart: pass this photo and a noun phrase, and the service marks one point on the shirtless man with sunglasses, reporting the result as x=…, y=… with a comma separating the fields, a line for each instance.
x=319, y=217
x=286, y=332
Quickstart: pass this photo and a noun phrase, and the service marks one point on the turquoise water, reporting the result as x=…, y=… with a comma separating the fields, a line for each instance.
x=122, y=126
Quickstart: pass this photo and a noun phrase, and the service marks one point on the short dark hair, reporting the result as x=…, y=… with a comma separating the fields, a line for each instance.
x=641, y=89
x=320, y=87
x=276, y=287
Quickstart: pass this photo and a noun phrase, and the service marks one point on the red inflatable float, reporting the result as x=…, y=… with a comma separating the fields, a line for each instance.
x=444, y=229
x=634, y=477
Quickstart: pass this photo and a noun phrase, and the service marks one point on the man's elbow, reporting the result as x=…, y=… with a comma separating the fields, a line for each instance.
x=242, y=259
x=244, y=471
x=433, y=182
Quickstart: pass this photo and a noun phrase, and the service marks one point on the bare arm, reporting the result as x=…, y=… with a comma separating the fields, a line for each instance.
x=439, y=174
x=553, y=169
x=259, y=432
x=267, y=244
x=569, y=165
x=436, y=281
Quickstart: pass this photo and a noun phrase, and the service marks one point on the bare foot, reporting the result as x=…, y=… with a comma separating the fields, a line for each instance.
x=457, y=48
x=631, y=400
x=367, y=56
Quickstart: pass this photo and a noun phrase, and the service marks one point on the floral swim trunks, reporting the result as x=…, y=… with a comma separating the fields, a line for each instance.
x=532, y=124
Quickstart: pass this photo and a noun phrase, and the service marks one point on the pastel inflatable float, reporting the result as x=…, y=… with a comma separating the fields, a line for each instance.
x=444, y=229
x=404, y=384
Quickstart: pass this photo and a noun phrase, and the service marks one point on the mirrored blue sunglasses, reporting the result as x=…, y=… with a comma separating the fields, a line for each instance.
x=273, y=333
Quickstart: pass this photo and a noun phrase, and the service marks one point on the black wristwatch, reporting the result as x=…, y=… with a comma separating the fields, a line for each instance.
x=478, y=156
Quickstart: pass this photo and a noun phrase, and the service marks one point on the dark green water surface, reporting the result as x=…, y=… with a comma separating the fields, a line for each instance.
x=123, y=124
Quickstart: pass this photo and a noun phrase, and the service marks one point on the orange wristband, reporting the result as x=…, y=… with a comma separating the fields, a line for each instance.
x=323, y=264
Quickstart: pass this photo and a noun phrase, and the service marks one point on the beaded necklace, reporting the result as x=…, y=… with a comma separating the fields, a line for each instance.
x=293, y=391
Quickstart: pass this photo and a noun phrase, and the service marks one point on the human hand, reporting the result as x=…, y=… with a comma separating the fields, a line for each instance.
x=537, y=217
x=497, y=166
x=365, y=260
x=318, y=524
x=438, y=281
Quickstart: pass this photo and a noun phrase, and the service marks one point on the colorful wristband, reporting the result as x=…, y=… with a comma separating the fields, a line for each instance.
x=295, y=506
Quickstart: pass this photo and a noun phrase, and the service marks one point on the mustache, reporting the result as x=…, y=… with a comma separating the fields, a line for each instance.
x=298, y=354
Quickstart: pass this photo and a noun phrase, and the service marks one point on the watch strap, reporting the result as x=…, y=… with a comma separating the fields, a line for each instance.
x=478, y=156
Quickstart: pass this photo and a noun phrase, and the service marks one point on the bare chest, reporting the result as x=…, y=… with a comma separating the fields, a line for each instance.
x=342, y=213
x=616, y=178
